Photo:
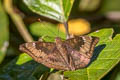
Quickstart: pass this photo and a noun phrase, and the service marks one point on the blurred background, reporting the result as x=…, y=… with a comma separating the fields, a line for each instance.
x=86, y=16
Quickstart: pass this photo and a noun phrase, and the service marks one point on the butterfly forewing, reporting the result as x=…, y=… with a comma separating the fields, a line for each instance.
x=71, y=54
x=45, y=53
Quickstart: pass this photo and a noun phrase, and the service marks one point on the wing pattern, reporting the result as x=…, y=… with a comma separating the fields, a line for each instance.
x=81, y=49
x=45, y=53
x=71, y=54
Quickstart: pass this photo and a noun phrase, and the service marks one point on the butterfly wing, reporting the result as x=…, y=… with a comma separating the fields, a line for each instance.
x=45, y=53
x=81, y=49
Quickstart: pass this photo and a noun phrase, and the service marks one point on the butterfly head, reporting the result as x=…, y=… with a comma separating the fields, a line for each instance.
x=21, y=47
x=58, y=40
x=24, y=47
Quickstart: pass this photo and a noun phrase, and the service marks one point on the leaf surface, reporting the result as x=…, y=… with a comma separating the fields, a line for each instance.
x=55, y=9
x=47, y=31
x=106, y=56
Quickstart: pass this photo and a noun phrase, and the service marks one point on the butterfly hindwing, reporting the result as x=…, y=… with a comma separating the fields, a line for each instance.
x=82, y=48
x=45, y=53
x=83, y=44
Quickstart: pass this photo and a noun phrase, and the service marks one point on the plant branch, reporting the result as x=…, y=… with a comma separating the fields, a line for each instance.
x=18, y=21
x=66, y=29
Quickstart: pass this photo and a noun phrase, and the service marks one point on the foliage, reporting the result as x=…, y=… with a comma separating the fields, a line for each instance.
x=55, y=9
x=19, y=66
x=101, y=65
x=4, y=33
x=42, y=29
x=106, y=58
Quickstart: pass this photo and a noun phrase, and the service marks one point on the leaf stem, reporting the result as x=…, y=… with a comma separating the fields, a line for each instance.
x=66, y=29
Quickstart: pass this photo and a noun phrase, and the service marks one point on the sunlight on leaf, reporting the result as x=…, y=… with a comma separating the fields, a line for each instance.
x=108, y=52
x=55, y=9
x=106, y=56
x=23, y=58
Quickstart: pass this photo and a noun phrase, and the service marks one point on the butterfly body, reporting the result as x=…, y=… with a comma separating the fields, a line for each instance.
x=71, y=54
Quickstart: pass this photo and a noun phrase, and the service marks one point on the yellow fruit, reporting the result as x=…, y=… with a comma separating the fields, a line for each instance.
x=76, y=27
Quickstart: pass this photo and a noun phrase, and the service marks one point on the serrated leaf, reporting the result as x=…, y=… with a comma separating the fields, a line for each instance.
x=108, y=55
x=55, y=9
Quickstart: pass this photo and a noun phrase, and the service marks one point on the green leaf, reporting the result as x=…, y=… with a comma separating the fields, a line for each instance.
x=107, y=55
x=28, y=70
x=55, y=9
x=46, y=30
x=24, y=67
x=4, y=33
x=23, y=58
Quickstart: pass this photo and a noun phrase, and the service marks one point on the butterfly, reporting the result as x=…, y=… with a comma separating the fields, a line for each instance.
x=71, y=54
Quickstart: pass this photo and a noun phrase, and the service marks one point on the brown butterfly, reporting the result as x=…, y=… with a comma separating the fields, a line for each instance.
x=71, y=54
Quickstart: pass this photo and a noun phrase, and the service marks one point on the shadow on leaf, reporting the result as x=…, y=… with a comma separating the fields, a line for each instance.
x=27, y=71
x=96, y=53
